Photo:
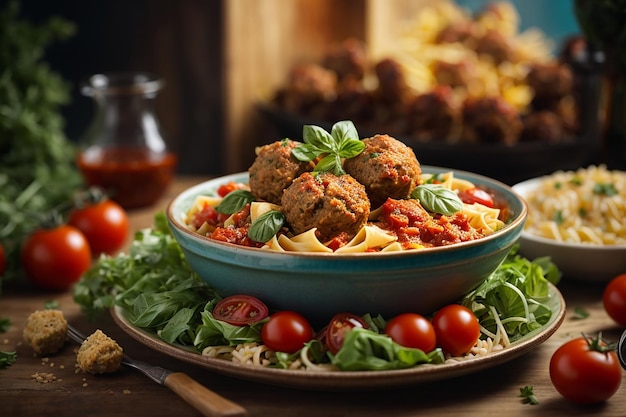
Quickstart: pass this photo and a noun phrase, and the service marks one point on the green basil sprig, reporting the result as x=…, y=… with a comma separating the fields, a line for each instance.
x=437, y=199
x=266, y=225
x=234, y=201
x=342, y=142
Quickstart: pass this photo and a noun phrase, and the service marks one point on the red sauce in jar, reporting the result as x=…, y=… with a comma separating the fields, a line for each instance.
x=134, y=177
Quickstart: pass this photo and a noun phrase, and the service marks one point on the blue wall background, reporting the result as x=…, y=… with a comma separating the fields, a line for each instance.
x=554, y=17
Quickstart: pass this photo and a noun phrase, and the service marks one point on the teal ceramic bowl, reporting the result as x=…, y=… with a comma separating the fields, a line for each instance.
x=321, y=285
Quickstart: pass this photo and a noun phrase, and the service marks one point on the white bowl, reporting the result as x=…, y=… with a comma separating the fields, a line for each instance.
x=584, y=262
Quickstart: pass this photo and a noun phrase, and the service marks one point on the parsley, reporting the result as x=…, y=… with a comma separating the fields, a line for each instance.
x=341, y=143
x=580, y=313
x=605, y=189
x=528, y=396
x=558, y=217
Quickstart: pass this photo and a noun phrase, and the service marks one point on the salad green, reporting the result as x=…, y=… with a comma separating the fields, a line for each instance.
x=159, y=292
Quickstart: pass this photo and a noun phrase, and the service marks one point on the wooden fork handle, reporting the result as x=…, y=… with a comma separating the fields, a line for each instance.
x=209, y=403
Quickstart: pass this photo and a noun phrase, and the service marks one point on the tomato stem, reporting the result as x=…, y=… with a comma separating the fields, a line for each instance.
x=598, y=344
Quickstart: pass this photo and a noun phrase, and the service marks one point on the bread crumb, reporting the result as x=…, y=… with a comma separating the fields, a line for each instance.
x=126, y=392
x=45, y=331
x=43, y=377
x=99, y=354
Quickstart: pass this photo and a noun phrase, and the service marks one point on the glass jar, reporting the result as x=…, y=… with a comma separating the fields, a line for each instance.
x=124, y=151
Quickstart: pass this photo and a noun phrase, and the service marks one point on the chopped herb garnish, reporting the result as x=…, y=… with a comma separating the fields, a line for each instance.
x=558, y=217
x=605, y=189
x=7, y=359
x=341, y=143
x=374, y=155
x=437, y=199
x=5, y=323
x=582, y=212
x=51, y=305
x=558, y=185
x=576, y=181
x=580, y=313
x=528, y=396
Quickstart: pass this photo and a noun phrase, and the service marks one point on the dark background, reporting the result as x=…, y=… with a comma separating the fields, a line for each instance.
x=179, y=41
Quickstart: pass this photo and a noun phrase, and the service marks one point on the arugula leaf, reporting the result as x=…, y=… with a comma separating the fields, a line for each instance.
x=213, y=332
x=515, y=296
x=364, y=349
x=343, y=142
x=437, y=199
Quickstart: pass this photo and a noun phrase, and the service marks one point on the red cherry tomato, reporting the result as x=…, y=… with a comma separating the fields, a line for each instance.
x=339, y=326
x=457, y=329
x=476, y=195
x=3, y=261
x=286, y=331
x=614, y=299
x=240, y=310
x=412, y=330
x=56, y=258
x=104, y=224
x=224, y=189
x=583, y=374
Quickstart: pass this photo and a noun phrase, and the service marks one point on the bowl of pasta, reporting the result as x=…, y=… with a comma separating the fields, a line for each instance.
x=576, y=218
x=341, y=236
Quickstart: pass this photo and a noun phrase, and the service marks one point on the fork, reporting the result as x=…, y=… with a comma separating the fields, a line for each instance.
x=208, y=402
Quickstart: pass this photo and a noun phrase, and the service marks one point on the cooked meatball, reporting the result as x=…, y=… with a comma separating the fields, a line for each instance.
x=354, y=102
x=273, y=170
x=308, y=90
x=454, y=74
x=392, y=85
x=543, y=126
x=460, y=31
x=99, y=354
x=333, y=204
x=347, y=59
x=551, y=82
x=495, y=45
x=432, y=115
x=45, y=331
x=386, y=167
x=490, y=120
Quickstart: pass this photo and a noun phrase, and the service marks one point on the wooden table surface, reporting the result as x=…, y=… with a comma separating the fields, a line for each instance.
x=491, y=392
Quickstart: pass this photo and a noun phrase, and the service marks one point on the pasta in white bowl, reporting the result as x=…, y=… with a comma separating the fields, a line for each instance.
x=578, y=219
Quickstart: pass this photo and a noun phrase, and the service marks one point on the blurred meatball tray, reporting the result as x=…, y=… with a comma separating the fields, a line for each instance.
x=485, y=98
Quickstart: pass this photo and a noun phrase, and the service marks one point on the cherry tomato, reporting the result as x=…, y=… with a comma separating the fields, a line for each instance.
x=286, y=331
x=240, y=310
x=614, y=299
x=412, y=330
x=457, y=329
x=224, y=189
x=476, y=195
x=104, y=224
x=583, y=374
x=339, y=326
x=56, y=258
x=3, y=261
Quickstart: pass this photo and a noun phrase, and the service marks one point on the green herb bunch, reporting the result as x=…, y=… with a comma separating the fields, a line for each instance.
x=37, y=171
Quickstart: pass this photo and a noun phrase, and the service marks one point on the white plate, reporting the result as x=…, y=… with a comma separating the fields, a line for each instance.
x=353, y=380
x=594, y=263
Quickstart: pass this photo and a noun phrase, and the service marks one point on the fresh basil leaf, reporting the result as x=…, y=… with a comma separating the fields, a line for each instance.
x=343, y=132
x=330, y=163
x=266, y=226
x=437, y=199
x=318, y=137
x=305, y=152
x=177, y=325
x=235, y=201
x=351, y=148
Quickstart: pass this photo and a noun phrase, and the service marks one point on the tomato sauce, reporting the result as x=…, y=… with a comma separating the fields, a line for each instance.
x=408, y=220
x=134, y=177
